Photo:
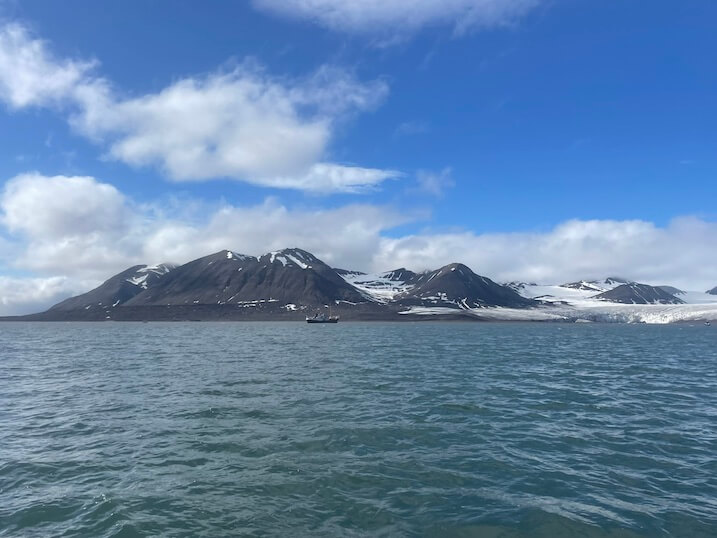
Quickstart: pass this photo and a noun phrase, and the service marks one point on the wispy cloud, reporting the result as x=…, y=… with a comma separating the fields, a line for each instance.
x=434, y=183
x=410, y=128
x=400, y=18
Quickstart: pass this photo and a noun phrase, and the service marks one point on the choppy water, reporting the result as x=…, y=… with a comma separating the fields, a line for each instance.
x=468, y=430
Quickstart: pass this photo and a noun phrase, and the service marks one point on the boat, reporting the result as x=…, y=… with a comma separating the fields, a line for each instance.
x=708, y=323
x=320, y=317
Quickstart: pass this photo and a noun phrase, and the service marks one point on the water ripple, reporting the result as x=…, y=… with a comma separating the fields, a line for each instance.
x=465, y=430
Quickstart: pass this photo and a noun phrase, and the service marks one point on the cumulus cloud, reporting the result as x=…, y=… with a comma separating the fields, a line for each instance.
x=73, y=222
x=20, y=296
x=400, y=16
x=241, y=123
x=68, y=254
x=55, y=207
x=86, y=229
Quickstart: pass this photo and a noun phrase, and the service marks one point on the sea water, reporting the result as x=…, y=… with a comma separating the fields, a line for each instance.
x=357, y=429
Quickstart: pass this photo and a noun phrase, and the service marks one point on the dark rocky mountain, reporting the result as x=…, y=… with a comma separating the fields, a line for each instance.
x=456, y=285
x=289, y=276
x=400, y=275
x=713, y=291
x=672, y=290
x=634, y=293
x=117, y=290
x=289, y=283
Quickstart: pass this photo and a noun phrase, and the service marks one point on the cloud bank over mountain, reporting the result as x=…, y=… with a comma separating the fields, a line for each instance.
x=73, y=232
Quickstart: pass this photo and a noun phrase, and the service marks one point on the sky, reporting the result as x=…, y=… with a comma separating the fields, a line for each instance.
x=535, y=140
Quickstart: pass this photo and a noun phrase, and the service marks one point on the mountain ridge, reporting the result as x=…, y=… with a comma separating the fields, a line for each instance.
x=291, y=283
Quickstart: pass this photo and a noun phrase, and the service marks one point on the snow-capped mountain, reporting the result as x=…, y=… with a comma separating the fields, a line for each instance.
x=456, y=285
x=583, y=303
x=381, y=287
x=634, y=293
x=281, y=284
x=598, y=286
x=289, y=276
x=119, y=289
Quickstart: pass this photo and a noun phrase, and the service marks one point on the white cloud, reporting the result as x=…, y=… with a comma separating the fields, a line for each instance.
x=55, y=207
x=682, y=253
x=74, y=223
x=30, y=75
x=82, y=228
x=400, y=17
x=346, y=235
x=241, y=124
x=47, y=237
x=20, y=296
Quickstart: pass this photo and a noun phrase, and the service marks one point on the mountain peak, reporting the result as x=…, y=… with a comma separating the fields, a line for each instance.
x=292, y=256
x=617, y=280
x=635, y=293
x=598, y=285
x=457, y=267
x=401, y=274
x=456, y=284
x=232, y=255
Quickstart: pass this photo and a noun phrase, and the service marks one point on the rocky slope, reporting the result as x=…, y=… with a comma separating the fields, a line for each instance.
x=672, y=290
x=117, y=290
x=634, y=293
x=456, y=285
x=289, y=276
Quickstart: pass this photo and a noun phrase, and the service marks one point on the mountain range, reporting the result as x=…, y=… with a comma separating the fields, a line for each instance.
x=291, y=283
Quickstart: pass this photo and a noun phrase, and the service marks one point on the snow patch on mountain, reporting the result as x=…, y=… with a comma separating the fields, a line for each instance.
x=292, y=256
x=380, y=287
x=575, y=304
x=144, y=273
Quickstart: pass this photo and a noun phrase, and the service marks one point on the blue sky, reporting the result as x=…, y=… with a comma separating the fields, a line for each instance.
x=531, y=139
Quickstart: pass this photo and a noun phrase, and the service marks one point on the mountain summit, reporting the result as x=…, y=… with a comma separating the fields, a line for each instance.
x=634, y=293
x=457, y=285
x=289, y=276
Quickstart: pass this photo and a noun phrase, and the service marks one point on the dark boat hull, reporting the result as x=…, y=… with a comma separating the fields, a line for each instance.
x=322, y=321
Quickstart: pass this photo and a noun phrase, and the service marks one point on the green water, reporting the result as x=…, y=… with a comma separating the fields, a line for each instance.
x=375, y=429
